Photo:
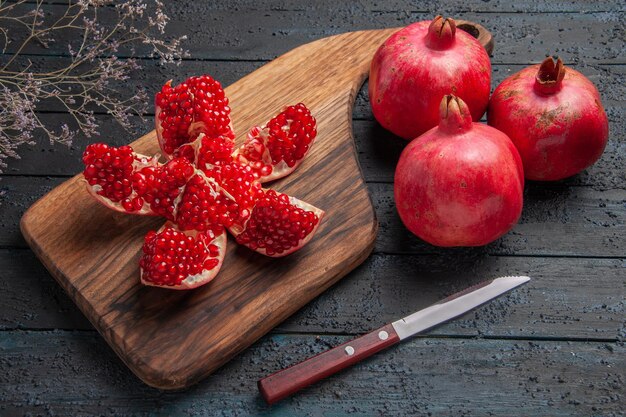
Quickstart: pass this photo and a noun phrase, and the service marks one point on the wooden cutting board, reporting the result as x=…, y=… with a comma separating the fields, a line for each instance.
x=172, y=339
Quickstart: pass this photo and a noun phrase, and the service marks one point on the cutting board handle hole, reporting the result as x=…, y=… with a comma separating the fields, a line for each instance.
x=471, y=29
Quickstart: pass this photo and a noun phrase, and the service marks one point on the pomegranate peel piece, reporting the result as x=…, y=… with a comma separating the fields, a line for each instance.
x=182, y=260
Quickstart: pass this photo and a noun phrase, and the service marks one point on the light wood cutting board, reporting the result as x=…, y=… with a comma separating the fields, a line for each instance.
x=172, y=339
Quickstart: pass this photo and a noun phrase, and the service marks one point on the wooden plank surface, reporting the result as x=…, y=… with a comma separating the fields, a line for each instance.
x=425, y=376
x=569, y=298
x=580, y=293
x=267, y=32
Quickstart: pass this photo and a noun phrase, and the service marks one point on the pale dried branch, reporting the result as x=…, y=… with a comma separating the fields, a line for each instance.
x=99, y=30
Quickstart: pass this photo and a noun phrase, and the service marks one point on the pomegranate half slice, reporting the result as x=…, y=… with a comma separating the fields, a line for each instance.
x=278, y=225
x=195, y=106
x=277, y=148
x=182, y=260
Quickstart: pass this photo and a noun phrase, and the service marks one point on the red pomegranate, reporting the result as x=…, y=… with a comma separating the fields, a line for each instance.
x=417, y=66
x=461, y=183
x=554, y=117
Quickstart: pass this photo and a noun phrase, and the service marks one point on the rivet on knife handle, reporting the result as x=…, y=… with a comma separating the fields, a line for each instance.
x=286, y=382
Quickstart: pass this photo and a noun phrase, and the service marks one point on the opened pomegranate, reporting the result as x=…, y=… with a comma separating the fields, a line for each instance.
x=416, y=66
x=461, y=183
x=181, y=259
x=206, y=186
x=554, y=116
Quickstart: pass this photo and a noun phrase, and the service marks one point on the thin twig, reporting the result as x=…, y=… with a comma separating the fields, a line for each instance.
x=84, y=84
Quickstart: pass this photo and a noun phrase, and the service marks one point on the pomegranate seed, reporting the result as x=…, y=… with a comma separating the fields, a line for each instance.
x=161, y=186
x=109, y=168
x=240, y=183
x=214, y=151
x=203, y=204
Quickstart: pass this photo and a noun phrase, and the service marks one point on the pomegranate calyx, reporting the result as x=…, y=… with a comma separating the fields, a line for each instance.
x=441, y=33
x=454, y=115
x=549, y=79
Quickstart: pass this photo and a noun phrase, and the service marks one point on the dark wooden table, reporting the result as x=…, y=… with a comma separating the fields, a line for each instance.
x=552, y=348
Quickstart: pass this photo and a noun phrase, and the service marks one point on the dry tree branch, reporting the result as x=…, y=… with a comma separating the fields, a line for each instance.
x=87, y=83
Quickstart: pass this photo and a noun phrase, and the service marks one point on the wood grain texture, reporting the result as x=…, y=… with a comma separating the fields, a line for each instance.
x=171, y=340
x=568, y=298
x=74, y=374
x=265, y=32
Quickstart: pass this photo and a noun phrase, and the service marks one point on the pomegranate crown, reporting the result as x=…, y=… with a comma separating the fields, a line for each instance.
x=441, y=33
x=550, y=76
x=454, y=115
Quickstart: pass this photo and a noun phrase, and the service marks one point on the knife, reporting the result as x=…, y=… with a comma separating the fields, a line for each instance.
x=290, y=380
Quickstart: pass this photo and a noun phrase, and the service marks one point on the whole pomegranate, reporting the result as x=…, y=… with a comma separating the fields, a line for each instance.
x=554, y=117
x=461, y=183
x=417, y=66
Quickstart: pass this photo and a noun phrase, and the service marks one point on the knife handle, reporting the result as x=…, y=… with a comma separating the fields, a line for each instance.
x=290, y=380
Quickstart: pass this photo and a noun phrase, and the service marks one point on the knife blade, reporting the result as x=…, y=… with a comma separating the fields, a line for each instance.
x=285, y=382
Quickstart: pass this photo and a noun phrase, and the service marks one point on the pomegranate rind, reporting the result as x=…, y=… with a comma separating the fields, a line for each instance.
x=197, y=280
x=554, y=116
x=237, y=230
x=144, y=211
x=460, y=184
x=408, y=77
